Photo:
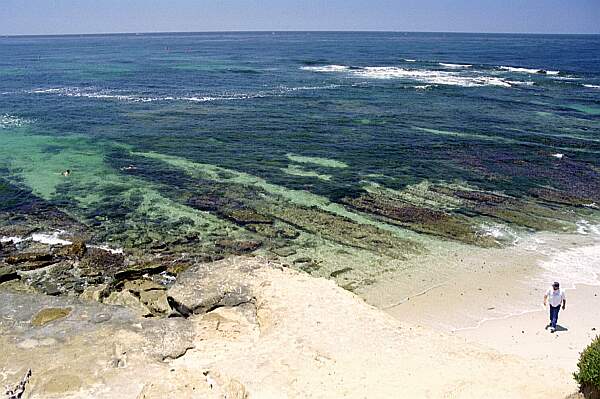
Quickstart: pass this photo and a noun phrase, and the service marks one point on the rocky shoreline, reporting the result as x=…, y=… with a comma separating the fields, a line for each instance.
x=244, y=327
x=67, y=289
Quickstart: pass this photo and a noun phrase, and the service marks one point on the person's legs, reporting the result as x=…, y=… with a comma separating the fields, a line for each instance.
x=554, y=315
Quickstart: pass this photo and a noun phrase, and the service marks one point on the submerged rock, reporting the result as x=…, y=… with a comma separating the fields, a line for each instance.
x=237, y=247
x=420, y=219
x=343, y=230
x=32, y=257
x=247, y=216
x=560, y=197
x=274, y=231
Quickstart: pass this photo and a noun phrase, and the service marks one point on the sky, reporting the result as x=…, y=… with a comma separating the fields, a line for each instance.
x=27, y=17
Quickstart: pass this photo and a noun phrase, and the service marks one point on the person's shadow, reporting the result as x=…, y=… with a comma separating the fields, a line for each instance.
x=558, y=327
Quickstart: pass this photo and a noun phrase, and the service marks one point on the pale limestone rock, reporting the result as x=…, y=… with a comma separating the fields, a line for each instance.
x=127, y=299
x=156, y=301
x=94, y=293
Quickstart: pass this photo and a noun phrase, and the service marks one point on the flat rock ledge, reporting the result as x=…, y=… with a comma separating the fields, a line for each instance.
x=247, y=328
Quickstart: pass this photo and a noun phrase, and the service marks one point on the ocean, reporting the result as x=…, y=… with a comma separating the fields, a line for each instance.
x=338, y=153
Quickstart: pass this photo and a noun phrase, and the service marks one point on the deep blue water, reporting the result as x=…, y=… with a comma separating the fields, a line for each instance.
x=520, y=112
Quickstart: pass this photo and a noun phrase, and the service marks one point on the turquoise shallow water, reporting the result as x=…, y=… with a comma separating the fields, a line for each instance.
x=471, y=138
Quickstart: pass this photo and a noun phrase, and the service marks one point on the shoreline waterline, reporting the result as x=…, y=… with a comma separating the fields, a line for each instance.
x=494, y=298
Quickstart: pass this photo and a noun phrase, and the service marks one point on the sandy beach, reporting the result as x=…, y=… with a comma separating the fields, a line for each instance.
x=494, y=298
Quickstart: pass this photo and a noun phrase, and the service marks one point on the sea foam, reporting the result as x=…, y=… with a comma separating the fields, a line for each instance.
x=455, y=66
x=54, y=239
x=50, y=239
x=326, y=68
x=107, y=94
x=528, y=70
x=452, y=78
x=430, y=76
x=10, y=121
x=574, y=266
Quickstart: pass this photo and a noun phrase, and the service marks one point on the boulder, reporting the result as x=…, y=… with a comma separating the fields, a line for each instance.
x=156, y=301
x=128, y=300
x=207, y=286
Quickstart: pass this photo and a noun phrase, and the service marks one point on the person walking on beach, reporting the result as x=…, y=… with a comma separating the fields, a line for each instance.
x=555, y=296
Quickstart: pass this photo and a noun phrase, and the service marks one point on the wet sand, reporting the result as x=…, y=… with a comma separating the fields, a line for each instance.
x=494, y=297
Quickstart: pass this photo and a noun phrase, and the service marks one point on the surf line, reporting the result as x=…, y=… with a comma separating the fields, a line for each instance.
x=408, y=298
x=486, y=319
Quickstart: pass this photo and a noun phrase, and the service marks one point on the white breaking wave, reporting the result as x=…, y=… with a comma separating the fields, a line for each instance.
x=422, y=75
x=520, y=83
x=49, y=239
x=429, y=76
x=7, y=121
x=326, y=87
x=455, y=66
x=44, y=91
x=100, y=94
x=409, y=60
x=592, y=86
x=326, y=68
x=565, y=78
x=224, y=98
x=529, y=70
x=107, y=249
x=105, y=94
x=54, y=239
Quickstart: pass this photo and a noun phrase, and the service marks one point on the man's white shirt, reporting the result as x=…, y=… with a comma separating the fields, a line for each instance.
x=555, y=297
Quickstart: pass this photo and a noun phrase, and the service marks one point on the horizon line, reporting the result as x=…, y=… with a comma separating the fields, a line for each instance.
x=287, y=31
